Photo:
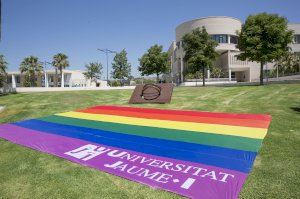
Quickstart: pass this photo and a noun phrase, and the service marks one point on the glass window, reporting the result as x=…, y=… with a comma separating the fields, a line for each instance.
x=220, y=38
x=51, y=79
x=232, y=74
x=297, y=39
x=234, y=39
x=18, y=79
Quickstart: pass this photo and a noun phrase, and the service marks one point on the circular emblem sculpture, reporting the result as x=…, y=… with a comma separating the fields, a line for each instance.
x=151, y=92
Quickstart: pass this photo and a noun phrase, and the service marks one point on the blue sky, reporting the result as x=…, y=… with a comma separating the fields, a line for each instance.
x=78, y=27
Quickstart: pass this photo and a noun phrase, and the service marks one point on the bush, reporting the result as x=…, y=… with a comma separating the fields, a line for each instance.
x=272, y=73
x=144, y=81
x=196, y=75
x=115, y=83
x=149, y=81
x=26, y=82
x=216, y=72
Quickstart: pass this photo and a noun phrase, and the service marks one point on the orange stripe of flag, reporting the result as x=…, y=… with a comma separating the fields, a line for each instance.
x=184, y=118
x=187, y=112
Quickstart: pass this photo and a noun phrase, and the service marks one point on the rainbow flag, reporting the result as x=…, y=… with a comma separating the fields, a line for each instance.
x=194, y=154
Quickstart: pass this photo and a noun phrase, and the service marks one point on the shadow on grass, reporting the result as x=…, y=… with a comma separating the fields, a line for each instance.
x=9, y=93
x=296, y=109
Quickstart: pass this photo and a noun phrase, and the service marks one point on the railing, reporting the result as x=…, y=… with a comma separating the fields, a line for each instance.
x=233, y=60
x=210, y=80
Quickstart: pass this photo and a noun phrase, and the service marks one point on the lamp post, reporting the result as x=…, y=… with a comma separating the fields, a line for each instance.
x=45, y=73
x=0, y=18
x=106, y=51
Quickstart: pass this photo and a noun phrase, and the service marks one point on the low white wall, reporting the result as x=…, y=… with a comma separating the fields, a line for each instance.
x=51, y=89
x=2, y=108
x=293, y=77
x=207, y=83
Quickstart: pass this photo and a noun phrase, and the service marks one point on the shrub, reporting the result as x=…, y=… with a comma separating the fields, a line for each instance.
x=196, y=75
x=115, y=83
x=216, y=72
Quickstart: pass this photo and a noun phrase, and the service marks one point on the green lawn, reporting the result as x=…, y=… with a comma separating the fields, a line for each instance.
x=25, y=173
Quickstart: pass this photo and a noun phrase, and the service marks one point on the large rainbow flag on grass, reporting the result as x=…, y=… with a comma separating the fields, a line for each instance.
x=195, y=154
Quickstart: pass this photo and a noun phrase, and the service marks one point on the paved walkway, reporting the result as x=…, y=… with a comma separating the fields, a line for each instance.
x=49, y=89
x=2, y=108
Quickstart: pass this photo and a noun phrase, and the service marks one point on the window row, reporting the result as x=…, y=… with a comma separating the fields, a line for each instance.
x=297, y=39
x=224, y=39
x=220, y=39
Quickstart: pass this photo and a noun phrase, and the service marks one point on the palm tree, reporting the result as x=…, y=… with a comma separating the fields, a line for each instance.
x=31, y=67
x=3, y=67
x=60, y=62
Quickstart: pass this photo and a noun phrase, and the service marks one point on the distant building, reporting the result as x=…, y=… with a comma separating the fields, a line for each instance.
x=224, y=31
x=71, y=78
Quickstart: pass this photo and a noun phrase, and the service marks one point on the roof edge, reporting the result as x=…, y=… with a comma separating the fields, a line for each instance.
x=208, y=18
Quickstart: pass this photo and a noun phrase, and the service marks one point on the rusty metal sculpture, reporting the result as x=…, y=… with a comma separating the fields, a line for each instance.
x=152, y=93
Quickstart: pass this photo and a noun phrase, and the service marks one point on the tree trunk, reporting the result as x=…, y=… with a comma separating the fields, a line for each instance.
x=261, y=73
x=55, y=78
x=30, y=80
x=157, y=78
x=33, y=80
x=203, y=73
x=61, y=76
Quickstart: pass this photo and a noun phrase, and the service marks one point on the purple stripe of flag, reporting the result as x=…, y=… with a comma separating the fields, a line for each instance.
x=185, y=178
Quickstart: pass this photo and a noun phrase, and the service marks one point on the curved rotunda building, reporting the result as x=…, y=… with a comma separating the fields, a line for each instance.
x=224, y=31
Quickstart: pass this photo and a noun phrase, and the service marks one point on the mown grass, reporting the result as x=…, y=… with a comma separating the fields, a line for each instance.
x=25, y=173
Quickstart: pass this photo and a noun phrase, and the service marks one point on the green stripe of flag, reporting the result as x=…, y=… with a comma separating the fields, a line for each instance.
x=234, y=142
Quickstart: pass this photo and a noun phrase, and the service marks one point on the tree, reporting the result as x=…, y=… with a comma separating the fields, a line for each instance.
x=264, y=38
x=3, y=68
x=60, y=62
x=93, y=71
x=199, y=50
x=155, y=61
x=120, y=65
x=31, y=67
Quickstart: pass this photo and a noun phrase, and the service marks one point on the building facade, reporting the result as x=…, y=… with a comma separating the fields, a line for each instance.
x=71, y=78
x=224, y=31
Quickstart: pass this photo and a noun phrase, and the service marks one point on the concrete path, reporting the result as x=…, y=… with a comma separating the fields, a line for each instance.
x=2, y=108
x=49, y=89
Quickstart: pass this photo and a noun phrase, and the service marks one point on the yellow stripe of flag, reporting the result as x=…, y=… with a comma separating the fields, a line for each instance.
x=251, y=132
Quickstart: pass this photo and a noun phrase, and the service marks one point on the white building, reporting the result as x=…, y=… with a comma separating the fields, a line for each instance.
x=224, y=31
x=71, y=78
